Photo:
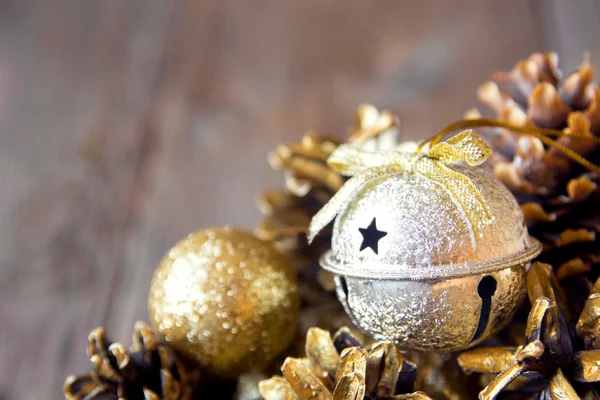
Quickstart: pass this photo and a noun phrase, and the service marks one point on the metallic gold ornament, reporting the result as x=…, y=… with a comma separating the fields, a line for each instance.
x=225, y=299
x=427, y=250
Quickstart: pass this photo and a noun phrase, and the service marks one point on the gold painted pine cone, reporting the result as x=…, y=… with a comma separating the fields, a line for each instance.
x=560, y=356
x=149, y=370
x=558, y=198
x=309, y=185
x=341, y=368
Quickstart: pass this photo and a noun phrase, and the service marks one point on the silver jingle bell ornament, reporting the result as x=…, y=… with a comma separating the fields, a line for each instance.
x=427, y=251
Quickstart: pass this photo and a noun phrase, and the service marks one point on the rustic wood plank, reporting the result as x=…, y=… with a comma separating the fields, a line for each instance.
x=126, y=125
x=80, y=73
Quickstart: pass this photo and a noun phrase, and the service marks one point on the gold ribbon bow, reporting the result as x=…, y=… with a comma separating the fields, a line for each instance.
x=434, y=164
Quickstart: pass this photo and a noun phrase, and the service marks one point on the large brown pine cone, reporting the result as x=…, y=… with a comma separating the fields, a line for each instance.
x=558, y=197
x=149, y=370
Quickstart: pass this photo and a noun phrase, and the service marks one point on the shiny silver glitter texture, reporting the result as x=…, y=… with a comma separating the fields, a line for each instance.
x=426, y=285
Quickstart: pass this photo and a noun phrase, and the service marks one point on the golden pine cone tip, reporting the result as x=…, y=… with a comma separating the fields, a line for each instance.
x=550, y=358
x=148, y=370
x=340, y=367
x=305, y=166
x=576, y=90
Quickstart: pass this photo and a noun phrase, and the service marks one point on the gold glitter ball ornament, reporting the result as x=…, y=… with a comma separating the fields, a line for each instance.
x=427, y=249
x=225, y=299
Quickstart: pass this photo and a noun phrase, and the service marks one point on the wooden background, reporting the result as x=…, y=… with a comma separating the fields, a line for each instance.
x=124, y=125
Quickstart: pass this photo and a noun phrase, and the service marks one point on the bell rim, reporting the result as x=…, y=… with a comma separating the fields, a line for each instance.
x=372, y=270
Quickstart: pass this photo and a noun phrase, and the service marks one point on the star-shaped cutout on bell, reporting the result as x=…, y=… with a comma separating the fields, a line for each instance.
x=371, y=237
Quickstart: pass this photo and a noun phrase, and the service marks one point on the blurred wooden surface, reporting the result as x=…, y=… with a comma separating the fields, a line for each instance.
x=124, y=125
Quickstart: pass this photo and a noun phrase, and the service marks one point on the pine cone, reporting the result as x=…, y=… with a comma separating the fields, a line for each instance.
x=560, y=356
x=341, y=368
x=149, y=370
x=310, y=183
x=559, y=199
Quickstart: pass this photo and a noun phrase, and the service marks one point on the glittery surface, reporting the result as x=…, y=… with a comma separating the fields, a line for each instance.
x=226, y=299
x=433, y=163
x=428, y=233
x=431, y=315
x=421, y=288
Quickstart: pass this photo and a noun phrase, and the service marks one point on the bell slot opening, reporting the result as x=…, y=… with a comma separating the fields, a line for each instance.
x=486, y=289
x=343, y=286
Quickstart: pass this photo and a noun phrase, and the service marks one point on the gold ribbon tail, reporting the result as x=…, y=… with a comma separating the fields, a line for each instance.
x=349, y=160
x=331, y=209
x=462, y=189
x=465, y=146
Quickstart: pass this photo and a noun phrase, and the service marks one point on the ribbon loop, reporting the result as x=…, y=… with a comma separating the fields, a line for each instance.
x=434, y=164
x=466, y=146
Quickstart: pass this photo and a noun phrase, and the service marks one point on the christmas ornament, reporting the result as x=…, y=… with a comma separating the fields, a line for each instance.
x=288, y=212
x=341, y=368
x=226, y=299
x=427, y=251
x=558, y=198
x=148, y=370
x=560, y=356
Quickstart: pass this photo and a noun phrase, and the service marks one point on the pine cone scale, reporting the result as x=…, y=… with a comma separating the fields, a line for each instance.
x=375, y=374
x=148, y=370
